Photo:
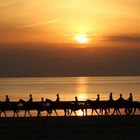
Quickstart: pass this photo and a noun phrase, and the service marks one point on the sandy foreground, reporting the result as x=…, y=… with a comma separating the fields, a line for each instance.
x=71, y=128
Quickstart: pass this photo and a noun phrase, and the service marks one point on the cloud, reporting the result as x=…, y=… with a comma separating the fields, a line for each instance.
x=124, y=38
x=39, y=23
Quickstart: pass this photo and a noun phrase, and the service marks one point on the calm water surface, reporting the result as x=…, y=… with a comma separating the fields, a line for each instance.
x=69, y=87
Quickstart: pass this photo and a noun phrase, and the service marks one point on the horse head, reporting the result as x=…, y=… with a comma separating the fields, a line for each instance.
x=21, y=101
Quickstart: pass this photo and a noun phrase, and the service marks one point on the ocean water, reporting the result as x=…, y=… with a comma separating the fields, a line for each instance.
x=69, y=87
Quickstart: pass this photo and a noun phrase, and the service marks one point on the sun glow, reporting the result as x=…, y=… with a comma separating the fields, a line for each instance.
x=81, y=38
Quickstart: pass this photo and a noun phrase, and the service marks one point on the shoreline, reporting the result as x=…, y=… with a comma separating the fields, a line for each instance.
x=73, y=127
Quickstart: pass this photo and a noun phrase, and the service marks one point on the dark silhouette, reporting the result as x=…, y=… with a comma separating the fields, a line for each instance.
x=51, y=105
x=76, y=100
x=9, y=106
x=74, y=106
x=26, y=106
x=130, y=99
x=129, y=106
x=111, y=97
x=121, y=99
x=129, y=109
x=93, y=105
x=57, y=98
x=30, y=98
x=98, y=98
x=7, y=100
x=42, y=100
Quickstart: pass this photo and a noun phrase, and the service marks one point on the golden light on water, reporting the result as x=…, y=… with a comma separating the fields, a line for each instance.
x=82, y=91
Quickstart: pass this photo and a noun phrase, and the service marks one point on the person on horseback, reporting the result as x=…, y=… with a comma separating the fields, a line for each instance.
x=30, y=98
x=121, y=99
x=42, y=101
x=130, y=99
x=98, y=98
x=76, y=100
x=7, y=100
x=111, y=97
x=57, y=98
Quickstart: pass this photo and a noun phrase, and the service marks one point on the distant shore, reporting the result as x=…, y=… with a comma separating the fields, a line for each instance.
x=74, y=127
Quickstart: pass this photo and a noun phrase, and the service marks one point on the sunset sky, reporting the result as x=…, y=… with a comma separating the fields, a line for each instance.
x=108, y=23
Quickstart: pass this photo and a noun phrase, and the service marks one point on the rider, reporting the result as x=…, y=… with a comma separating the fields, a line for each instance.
x=30, y=98
x=110, y=97
x=76, y=100
x=42, y=101
x=121, y=98
x=57, y=98
x=98, y=98
x=7, y=99
x=130, y=99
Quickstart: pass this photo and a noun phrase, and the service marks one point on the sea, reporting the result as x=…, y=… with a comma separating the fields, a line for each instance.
x=69, y=87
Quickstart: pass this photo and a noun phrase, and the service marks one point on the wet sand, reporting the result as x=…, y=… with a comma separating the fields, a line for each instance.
x=71, y=128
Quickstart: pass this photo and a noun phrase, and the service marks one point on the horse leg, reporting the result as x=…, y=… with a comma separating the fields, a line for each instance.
x=118, y=112
x=29, y=113
x=113, y=111
x=75, y=113
x=0, y=113
x=14, y=114
x=66, y=112
x=4, y=113
x=55, y=112
x=38, y=113
x=106, y=113
x=25, y=113
x=92, y=111
x=134, y=111
x=71, y=112
x=17, y=114
x=97, y=112
x=83, y=111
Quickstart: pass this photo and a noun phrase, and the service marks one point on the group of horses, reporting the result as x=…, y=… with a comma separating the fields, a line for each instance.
x=100, y=107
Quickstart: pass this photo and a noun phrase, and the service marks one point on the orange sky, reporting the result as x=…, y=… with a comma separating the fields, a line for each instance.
x=59, y=21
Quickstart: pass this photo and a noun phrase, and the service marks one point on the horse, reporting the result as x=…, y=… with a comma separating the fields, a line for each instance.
x=48, y=106
x=121, y=104
x=75, y=107
x=132, y=106
x=94, y=105
x=27, y=106
x=52, y=105
x=8, y=106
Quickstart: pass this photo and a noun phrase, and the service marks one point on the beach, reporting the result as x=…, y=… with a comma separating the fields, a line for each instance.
x=70, y=128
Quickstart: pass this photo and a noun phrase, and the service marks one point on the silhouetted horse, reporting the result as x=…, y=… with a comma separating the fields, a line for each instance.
x=131, y=108
x=75, y=107
x=103, y=106
x=27, y=106
x=9, y=106
x=47, y=106
x=52, y=105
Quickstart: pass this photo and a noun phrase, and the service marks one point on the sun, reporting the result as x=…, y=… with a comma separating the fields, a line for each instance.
x=81, y=38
